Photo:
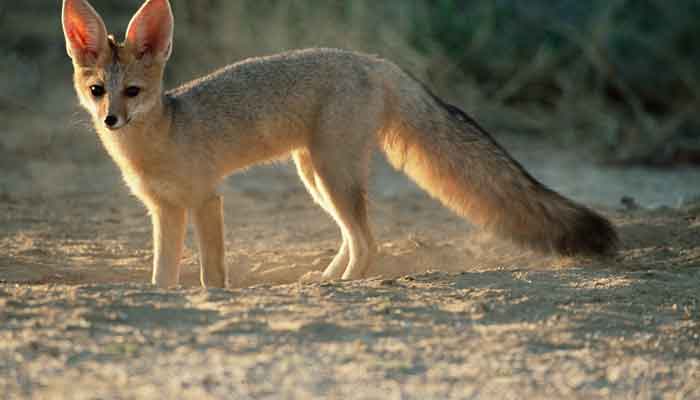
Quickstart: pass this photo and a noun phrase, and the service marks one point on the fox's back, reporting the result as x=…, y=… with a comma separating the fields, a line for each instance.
x=291, y=85
x=260, y=108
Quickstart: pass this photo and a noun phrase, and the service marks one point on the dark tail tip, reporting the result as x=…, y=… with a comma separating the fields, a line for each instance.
x=588, y=234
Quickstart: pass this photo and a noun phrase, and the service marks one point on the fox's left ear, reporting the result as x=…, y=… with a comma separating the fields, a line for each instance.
x=150, y=32
x=85, y=32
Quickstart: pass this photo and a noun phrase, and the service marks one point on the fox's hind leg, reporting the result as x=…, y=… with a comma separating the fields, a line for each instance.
x=302, y=159
x=341, y=181
x=347, y=201
x=338, y=153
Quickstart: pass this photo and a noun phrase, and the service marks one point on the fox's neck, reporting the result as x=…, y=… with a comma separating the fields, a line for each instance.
x=142, y=141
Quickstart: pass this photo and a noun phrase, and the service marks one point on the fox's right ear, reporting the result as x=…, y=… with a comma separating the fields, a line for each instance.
x=86, y=34
x=150, y=32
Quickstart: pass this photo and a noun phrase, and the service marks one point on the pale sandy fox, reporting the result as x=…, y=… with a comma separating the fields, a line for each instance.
x=327, y=108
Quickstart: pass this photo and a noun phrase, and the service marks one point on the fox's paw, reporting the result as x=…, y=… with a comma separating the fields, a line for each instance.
x=312, y=277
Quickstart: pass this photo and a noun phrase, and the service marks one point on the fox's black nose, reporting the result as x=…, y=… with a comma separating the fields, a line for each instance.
x=111, y=120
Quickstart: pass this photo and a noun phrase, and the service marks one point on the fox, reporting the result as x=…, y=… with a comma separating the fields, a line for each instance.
x=329, y=109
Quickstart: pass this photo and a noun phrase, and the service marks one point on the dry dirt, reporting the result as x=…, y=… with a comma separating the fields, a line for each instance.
x=448, y=312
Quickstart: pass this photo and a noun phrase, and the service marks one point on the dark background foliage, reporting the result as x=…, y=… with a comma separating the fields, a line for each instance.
x=620, y=76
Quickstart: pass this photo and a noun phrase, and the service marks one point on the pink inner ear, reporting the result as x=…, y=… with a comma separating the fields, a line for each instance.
x=146, y=36
x=150, y=30
x=79, y=40
x=83, y=28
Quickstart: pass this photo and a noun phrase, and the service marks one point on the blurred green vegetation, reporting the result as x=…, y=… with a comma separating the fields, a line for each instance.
x=620, y=76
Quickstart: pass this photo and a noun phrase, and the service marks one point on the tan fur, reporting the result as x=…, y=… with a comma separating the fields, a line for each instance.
x=327, y=108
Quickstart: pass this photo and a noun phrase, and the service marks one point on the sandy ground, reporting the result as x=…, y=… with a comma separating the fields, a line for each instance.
x=449, y=312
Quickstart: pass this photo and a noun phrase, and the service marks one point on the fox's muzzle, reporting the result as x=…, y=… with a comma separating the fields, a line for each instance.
x=111, y=121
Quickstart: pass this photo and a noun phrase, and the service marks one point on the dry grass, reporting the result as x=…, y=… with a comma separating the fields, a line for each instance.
x=602, y=75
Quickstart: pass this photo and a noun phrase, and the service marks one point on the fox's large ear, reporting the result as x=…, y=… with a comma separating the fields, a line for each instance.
x=150, y=32
x=86, y=35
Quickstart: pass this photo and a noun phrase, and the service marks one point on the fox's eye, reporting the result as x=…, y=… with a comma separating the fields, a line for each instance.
x=97, y=90
x=132, y=91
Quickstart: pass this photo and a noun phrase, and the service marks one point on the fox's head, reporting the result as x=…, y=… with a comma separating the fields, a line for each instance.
x=118, y=82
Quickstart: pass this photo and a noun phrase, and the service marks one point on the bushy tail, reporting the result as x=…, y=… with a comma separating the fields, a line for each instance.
x=456, y=161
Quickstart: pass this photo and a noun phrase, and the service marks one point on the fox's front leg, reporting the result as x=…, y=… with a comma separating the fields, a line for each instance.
x=209, y=224
x=169, y=224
